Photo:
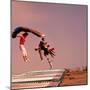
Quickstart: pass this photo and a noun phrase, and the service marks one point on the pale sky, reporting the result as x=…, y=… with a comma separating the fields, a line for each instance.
x=65, y=27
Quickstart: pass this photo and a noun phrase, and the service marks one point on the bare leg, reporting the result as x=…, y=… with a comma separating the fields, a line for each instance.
x=25, y=58
x=40, y=53
x=24, y=52
x=50, y=64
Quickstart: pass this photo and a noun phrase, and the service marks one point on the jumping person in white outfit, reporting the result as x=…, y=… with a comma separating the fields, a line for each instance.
x=22, y=47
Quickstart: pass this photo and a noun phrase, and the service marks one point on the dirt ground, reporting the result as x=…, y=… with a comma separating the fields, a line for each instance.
x=75, y=78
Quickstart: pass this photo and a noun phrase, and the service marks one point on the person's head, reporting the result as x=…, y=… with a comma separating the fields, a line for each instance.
x=25, y=34
x=43, y=39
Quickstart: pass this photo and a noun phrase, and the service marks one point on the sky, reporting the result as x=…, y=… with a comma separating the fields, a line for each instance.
x=65, y=27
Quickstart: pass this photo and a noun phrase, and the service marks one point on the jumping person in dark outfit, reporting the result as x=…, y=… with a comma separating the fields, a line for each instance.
x=45, y=47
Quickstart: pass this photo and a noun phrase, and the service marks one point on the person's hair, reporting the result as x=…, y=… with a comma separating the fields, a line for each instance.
x=43, y=39
x=25, y=34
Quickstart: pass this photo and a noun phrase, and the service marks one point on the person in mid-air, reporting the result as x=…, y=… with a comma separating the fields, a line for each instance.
x=43, y=45
x=22, y=39
x=46, y=48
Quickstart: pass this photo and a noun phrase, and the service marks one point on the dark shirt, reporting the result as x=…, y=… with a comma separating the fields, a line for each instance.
x=42, y=47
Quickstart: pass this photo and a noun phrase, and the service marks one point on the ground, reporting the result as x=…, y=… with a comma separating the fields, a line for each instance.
x=71, y=78
x=75, y=78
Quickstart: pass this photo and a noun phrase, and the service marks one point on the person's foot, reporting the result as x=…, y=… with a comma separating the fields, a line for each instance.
x=26, y=60
x=50, y=67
